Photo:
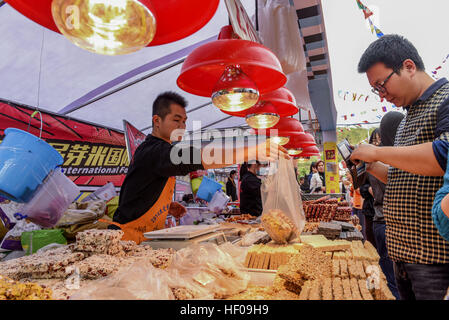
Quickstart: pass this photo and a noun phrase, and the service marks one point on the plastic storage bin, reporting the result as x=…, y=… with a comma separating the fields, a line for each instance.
x=207, y=189
x=51, y=199
x=25, y=161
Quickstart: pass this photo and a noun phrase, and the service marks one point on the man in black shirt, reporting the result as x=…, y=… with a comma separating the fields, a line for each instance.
x=147, y=192
x=250, y=196
x=231, y=189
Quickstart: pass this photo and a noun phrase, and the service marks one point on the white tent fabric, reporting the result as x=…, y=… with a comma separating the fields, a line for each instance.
x=42, y=68
x=67, y=73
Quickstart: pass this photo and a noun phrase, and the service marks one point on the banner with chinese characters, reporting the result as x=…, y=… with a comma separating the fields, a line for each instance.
x=331, y=171
x=93, y=155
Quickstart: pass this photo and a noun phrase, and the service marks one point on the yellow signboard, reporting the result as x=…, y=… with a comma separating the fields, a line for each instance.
x=331, y=168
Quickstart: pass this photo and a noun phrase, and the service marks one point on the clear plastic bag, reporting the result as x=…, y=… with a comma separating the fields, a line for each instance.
x=252, y=238
x=212, y=268
x=140, y=281
x=12, y=239
x=281, y=200
x=279, y=31
x=51, y=199
x=84, y=212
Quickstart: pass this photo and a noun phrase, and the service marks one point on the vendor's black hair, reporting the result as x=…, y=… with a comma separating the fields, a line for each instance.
x=161, y=106
x=392, y=50
x=232, y=172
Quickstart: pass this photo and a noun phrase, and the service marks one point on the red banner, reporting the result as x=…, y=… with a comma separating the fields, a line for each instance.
x=93, y=155
x=134, y=137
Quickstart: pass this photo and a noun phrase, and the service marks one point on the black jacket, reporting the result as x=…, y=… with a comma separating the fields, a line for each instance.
x=379, y=191
x=368, y=203
x=250, y=198
x=231, y=189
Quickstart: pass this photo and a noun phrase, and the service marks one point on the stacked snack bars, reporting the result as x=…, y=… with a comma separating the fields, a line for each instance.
x=325, y=209
x=99, y=241
x=311, y=264
x=96, y=254
x=356, y=275
x=329, y=230
x=343, y=214
x=269, y=256
x=46, y=265
x=13, y=290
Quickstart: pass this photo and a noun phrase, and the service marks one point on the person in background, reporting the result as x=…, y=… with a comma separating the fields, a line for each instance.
x=302, y=184
x=231, y=189
x=366, y=191
x=311, y=172
x=318, y=181
x=387, y=130
x=357, y=206
x=413, y=168
x=250, y=183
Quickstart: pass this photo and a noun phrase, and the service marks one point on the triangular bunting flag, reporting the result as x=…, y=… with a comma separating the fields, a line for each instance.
x=371, y=25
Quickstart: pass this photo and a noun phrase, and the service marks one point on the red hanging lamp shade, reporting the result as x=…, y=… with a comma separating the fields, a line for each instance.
x=309, y=152
x=262, y=116
x=282, y=98
x=148, y=22
x=283, y=130
x=205, y=65
x=301, y=140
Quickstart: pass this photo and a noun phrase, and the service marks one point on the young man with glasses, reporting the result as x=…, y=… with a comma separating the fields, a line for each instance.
x=413, y=167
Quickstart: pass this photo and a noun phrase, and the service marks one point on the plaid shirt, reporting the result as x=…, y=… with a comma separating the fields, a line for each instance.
x=411, y=234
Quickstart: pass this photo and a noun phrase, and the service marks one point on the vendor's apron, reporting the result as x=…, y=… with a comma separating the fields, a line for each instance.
x=153, y=219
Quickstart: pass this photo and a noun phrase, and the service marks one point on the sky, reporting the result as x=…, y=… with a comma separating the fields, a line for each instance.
x=424, y=23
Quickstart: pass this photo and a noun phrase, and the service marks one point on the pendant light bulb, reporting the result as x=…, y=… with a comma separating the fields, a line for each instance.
x=235, y=91
x=109, y=27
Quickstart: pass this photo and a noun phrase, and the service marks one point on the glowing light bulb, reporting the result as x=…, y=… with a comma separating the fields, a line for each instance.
x=294, y=152
x=235, y=91
x=110, y=27
x=280, y=140
x=262, y=116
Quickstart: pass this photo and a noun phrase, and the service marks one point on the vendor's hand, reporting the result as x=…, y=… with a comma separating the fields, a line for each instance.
x=364, y=152
x=177, y=210
x=268, y=151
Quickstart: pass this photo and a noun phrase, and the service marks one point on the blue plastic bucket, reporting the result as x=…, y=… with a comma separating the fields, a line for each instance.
x=207, y=189
x=25, y=161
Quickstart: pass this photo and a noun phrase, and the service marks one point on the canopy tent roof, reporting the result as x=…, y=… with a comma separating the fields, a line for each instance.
x=39, y=67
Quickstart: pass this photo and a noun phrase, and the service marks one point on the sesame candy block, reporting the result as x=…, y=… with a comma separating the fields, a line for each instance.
x=355, y=289
x=327, y=289
x=304, y=295
x=335, y=268
x=366, y=295
x=337, y=289
x=315, y=291
x=98, y=236
x=347, y=295
x=344, y=269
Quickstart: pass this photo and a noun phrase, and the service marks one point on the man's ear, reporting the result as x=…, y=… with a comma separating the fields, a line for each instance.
x=156, y=121
x=409, y=66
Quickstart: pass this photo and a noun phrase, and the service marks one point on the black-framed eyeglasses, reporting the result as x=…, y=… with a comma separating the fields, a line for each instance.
x=380, y=88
